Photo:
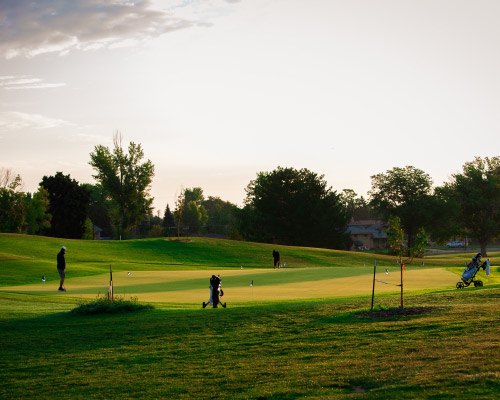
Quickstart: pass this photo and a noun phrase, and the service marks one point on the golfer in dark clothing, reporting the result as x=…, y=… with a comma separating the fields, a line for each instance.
x=61, y=268
x=276, y=256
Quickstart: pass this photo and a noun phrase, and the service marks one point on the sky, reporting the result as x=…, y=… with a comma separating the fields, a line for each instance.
x=217, y=91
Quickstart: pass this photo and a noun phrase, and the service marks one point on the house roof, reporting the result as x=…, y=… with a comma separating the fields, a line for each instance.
x=374, y=228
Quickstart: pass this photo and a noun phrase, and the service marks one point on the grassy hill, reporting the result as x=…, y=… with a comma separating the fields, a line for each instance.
x=24, y=258
x=445, y=345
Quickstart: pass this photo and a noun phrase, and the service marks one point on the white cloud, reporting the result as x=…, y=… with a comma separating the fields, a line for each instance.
x=30, y=28
x=26, y=82
x=13, y=120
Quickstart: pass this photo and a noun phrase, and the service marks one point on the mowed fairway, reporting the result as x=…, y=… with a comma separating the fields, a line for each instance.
x=178, y=272
x=186, y=287
x=305, y=331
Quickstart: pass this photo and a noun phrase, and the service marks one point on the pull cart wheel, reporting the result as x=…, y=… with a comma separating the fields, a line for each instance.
x=460, y=285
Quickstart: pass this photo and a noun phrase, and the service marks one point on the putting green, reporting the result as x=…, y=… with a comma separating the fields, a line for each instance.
x=269, y=285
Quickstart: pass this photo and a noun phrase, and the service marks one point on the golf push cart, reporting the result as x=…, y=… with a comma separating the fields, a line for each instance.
x=216, y=293
x=470, y=272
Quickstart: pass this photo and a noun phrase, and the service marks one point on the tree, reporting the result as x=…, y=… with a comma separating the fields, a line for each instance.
x=404, y=193
x=10, y=181
x=12, y=211
x=476, y=193
x=446, y=215
x=126, y=180
x=294, y=207
x=194, y=195
x=36, y=206
x=100, y=208
x=195, y=217
x=19, y=211
x=68, y=204
x=357, y=207
x=220, y=215
x=189, y=212
x=88, y=230
x=168, y=218
x=397, y=244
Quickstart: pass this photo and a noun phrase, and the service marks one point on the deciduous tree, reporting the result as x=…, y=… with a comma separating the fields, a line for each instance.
x=37, y=217
x=11, y=210
x=68, y=204
x=476, y=191
x=404, y=193
x=189, y=212
x=294, y=207
x=220, y=215
x=126, y=180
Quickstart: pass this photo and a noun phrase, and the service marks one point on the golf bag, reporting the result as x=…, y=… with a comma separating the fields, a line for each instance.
x=469, y=274
x=217, y=291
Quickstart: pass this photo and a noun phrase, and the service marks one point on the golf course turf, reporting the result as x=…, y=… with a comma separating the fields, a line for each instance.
x=305, y=331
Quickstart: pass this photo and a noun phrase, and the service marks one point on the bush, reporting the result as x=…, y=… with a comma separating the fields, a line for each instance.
x=102, y=305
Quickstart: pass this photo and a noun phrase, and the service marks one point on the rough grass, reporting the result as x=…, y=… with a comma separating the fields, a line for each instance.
x=318, y=350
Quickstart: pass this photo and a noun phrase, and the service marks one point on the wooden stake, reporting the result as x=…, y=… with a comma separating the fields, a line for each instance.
x=402, y=270
x=373, y=290
x=110, y=284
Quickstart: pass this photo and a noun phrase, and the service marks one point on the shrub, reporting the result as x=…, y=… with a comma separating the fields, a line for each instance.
x=102, y=305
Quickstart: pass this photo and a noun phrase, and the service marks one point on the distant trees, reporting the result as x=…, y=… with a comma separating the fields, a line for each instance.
x=37, y=218
x=404, y=193
x=221, y=216
x=472, y=200
x=357, y=207
x=126, y=181
x=100, y=209
x=285, y=206
x=19, y=211
x=68, y=204
x=189, y=212
x=12, y=211
x=293, y=207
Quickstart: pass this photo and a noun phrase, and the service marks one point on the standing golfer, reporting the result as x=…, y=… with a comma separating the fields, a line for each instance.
x=276, y=256
x=61, y=268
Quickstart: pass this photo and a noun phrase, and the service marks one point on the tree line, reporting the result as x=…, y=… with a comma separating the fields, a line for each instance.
x=284, y=206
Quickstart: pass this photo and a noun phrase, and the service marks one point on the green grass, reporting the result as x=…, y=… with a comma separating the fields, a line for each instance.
x=322, y=349
x=318, y=349
x=25, y=258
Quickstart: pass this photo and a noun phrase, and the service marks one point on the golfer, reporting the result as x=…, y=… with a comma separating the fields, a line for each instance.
x=276, y=257
x=61, y=268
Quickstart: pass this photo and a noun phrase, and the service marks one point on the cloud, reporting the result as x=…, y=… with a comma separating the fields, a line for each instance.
x=25, y=82
x=13, y=120
x=29, y=28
